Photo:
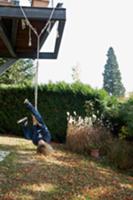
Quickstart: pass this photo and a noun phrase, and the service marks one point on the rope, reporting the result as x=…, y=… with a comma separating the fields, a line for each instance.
x=47, y=25
x=52, y=3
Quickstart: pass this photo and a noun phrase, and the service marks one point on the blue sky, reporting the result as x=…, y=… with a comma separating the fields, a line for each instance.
x=92, y=26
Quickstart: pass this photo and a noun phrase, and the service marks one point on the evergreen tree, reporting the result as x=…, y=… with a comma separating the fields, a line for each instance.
x=20, y=73
x=112, y=77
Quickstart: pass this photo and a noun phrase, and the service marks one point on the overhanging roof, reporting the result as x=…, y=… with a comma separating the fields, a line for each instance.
x=14, y=39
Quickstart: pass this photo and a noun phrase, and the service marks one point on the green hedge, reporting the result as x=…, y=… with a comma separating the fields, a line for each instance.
x=54, y=100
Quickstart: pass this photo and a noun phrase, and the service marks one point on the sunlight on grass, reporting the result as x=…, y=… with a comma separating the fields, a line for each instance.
x=3, y=154
x=24, y=197
x=17, y=143
x=61, y=159
x=11, y=140
x=42, y=187
x=126, y=185
x=96, y=192
x=105, y=172
x=108, y=192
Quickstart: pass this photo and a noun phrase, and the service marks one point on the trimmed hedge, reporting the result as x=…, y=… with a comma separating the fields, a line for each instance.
x=54, y=100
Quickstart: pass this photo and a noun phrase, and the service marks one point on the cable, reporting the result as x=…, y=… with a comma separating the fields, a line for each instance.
x=38, y=47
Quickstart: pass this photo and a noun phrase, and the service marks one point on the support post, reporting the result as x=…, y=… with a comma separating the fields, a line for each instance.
x=7, y=65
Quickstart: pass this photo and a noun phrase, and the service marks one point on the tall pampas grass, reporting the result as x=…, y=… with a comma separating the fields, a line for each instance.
x=82, y=135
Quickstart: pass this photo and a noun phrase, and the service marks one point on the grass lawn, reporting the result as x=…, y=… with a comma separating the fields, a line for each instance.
x=24, y=175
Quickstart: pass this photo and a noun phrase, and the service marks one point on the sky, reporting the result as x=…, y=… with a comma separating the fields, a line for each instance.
x=92, y=26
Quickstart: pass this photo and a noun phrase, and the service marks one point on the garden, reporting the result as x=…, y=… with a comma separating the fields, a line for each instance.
x=80, y=119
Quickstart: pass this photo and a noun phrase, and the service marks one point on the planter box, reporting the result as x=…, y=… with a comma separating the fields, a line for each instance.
x=6, y=3
x=40, y=3
x=95, y=153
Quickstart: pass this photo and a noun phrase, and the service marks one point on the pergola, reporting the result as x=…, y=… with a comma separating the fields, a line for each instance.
x=14, y=39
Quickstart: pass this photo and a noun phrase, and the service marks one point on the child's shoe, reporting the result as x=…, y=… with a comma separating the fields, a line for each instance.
x=22, y=121
x=26, y=101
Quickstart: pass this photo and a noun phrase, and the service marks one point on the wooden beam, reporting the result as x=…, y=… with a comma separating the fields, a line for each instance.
x=33, y=13
x=7, y=65
x=42, y=55
x=46, y=34
x=6, y=40
x=59, y=38
x=14, y=31
x=47, y=55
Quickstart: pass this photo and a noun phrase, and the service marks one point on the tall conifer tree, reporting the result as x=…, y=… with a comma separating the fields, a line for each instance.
x=112, y=77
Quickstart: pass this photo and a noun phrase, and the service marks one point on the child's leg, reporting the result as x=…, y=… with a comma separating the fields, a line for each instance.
x=43, y=128
x=27, y=132
x=45, y=133
x=34, y=112
x=36, y=135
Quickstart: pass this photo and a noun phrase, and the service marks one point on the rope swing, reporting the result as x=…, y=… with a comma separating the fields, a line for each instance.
x=38, y=35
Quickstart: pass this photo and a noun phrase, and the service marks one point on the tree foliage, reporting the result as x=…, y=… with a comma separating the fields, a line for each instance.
x=20, y=73
x=76, y=73
x=112, y=77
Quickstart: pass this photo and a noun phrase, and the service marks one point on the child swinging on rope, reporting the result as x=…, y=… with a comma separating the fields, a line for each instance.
x=40, y=134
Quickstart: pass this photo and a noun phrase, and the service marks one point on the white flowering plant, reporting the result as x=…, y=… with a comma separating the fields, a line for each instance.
x=82, y=134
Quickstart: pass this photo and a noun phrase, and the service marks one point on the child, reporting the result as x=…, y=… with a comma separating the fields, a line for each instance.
x=40, y=135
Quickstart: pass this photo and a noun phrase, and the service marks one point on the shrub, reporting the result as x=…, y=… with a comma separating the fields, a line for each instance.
x=106, y=111
x=120, y=154
x=76, y=138
x=82, y=135
x=126, y=115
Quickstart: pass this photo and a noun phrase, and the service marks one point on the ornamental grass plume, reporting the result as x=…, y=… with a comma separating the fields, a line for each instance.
x=82, y=135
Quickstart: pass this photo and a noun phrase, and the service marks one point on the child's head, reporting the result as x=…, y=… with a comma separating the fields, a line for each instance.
x=44, y=148
x=41, y=149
